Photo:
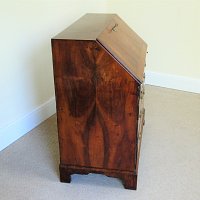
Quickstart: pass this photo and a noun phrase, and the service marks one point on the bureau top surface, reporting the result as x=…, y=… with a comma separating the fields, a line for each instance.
x=88, y=27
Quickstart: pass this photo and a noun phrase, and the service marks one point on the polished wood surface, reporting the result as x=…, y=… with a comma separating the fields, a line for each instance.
x=95, y=108
x=99, y=98
x=127, y=47
x=87, y=27
x=129, y=179
x=115, y=35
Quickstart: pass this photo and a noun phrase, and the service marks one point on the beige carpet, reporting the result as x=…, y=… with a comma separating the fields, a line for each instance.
x=169, y=164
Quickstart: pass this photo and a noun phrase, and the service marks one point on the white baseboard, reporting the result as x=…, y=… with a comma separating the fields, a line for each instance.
x=172, y=81
x=18, y=128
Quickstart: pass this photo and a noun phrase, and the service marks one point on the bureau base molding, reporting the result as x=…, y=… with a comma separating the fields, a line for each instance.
x=128, y=178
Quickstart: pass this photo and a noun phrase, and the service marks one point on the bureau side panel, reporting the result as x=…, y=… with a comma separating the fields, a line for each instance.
x=75, y=99
x=117, y=112
x=97, y=107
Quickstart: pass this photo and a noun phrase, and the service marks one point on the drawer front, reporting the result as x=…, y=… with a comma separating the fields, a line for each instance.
x=141, y=109
x=141, y=122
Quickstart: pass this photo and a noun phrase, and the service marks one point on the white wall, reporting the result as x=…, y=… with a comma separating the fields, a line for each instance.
x=172, y=29
x=27, y=91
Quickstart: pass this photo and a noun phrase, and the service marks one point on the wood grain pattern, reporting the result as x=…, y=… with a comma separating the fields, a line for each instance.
x=126, y=46
x=95, y=99
x=116, y=95
x=98, y=73
x=123, y=43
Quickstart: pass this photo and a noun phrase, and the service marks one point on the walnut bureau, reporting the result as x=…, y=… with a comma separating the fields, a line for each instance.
x=98, y=65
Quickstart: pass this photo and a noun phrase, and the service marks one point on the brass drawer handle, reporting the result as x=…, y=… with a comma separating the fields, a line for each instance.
x=142, y=93
x=114, y=27
x=140, y=136
x=142, y=112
